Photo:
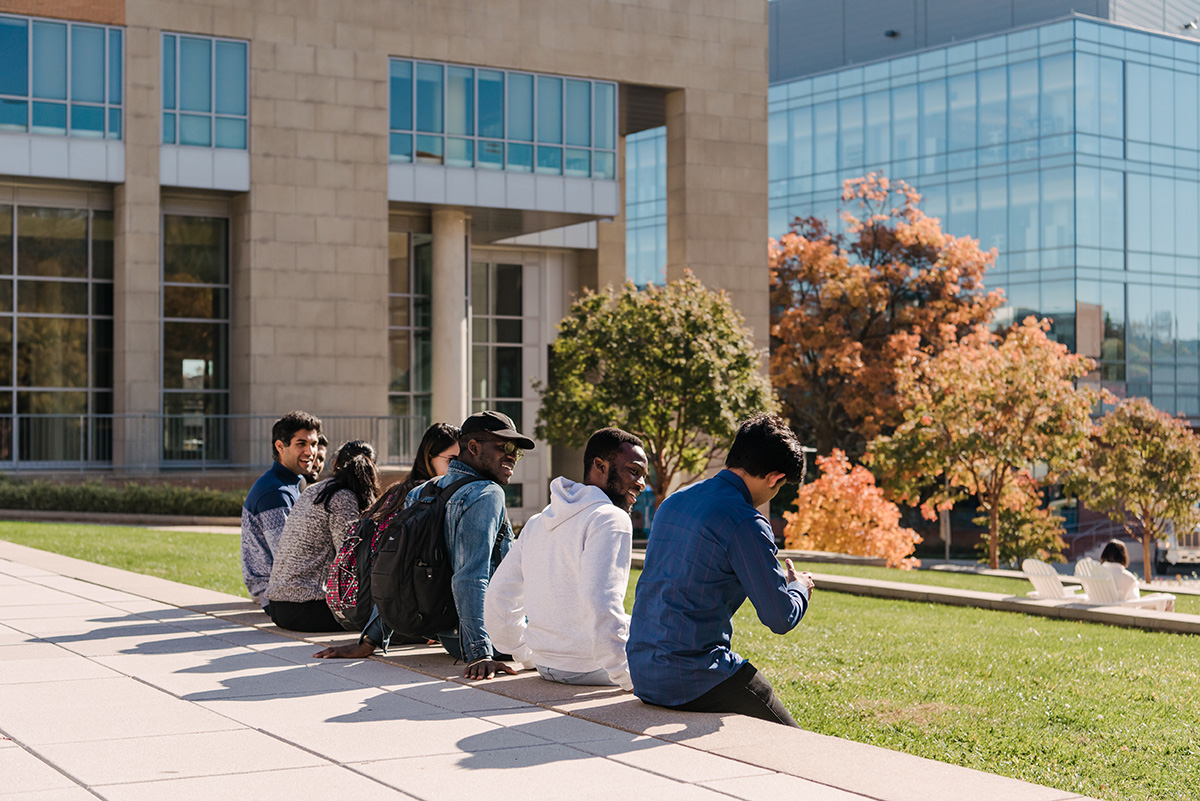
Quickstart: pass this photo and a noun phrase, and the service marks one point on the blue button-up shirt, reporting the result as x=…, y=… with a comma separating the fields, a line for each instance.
x=709, y=549
x=478, y=535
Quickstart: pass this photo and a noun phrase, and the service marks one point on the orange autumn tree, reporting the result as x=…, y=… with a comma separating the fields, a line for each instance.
x=846, y=308
x=843, y=511
x=983, y=413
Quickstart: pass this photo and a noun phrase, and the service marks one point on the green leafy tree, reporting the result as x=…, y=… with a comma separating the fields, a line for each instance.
x=1143, y=463
x=983, y=413
x=847, y=309
x=674, y=364
x=1027, y=529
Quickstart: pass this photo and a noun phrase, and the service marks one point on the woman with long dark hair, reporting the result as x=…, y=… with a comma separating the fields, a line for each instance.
x=311, y=538
x=437, y=448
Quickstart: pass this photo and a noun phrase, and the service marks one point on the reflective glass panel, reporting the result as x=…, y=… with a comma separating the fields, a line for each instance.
x=14, y=56
x=87, y=121
x=52, y=297
x=491, y=103
x=50, y=60
x=194, y=355
x=196, y=302
x=549, y=109
x=115, y=66
x=6, y=240
x=520, y=158
x=578, y=113
x=168, y=71
x=508, y=372
x=399, y=361
x=429, y=98
x=52, y=242
x=604, y=164
x=577, y=163
x=549, y=160
x=52, y=352
x=460, y=101
x=195, y=250
x=231, y=78
x=87, y=63
x=520, y=107
x=400, y=95
x=904, y=123
x=1023, y=101
x=878, y=131
x=14, y=115
x=168, y=128
x=195, y=78
x=508, y=290
x=49, y=118
x=6, y=361
x=230, y=132
x=604, y=135
x=195, y=129
x=400, y=147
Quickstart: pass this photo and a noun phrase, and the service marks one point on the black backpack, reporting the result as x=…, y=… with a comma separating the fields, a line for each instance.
x=348, y=585
x=410, y=581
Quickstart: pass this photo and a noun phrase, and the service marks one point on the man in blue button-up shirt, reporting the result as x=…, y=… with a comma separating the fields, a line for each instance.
x=709, y=549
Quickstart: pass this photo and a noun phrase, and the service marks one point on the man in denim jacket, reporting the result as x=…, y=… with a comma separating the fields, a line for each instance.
x=478, y=535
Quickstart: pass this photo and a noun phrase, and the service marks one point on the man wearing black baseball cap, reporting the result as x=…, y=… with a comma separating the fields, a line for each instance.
x=478, y=535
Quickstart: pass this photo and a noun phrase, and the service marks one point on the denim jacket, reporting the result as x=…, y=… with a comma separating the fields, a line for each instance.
x=478, y=535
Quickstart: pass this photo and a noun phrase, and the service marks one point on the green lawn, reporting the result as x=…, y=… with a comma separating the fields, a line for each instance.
x=202, y=560
x=1101, y=711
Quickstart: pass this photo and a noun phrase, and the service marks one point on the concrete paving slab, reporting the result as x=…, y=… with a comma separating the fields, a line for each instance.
x=25, y=773
x=294, y=784
x=75, y=793
x=172, y=756
x=372, y=673
x=460, y=698
x=556, y=727
x=54, y=669
x=98, y=709
x=72, y=608
x=671, y=760
x=22, y=567
x=29, y=594
x=83, y=589
x=773, y=786
x=540, y=771
x=32, y=649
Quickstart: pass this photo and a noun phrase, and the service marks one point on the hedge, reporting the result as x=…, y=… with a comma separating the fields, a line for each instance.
x=92, y=496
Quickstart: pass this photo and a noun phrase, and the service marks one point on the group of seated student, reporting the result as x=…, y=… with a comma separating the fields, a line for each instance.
x=553, y=600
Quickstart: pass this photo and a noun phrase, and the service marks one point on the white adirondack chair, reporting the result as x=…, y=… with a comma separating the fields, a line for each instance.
x=1047, y=585
x=1101, y=589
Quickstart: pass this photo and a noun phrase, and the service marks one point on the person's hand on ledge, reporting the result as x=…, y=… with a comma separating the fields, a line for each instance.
x=358, y=650
x=485, y=669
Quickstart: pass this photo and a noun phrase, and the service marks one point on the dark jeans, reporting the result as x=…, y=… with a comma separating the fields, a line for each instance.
x=307, y=616
x=746, y=693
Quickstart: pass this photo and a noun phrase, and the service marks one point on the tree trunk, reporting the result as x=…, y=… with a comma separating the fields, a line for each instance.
x=1146, y=564
x=994, y=536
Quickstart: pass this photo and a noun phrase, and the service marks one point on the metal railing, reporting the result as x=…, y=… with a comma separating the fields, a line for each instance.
x=185, y=441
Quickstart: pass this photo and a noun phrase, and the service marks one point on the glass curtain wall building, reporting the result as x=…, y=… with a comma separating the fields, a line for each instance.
x=1070, y=147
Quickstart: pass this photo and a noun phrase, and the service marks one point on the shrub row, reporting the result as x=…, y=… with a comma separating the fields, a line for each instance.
x=92, y=496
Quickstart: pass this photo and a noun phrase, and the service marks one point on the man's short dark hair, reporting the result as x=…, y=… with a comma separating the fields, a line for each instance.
x=604, y=444
x=766, y=444
x=286, y=427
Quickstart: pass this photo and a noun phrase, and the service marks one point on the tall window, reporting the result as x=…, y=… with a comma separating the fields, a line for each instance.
x=646, y=207
x=56, y=332
x=195, y=332
x=410, y=273
x=496, y=335
x=60, y=78
x=499, y=120
x=204, y=91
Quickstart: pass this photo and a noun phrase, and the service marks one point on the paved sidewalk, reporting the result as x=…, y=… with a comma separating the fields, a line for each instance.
x=121, y=686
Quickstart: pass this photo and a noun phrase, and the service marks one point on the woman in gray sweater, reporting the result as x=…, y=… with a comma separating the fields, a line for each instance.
x=311, y=538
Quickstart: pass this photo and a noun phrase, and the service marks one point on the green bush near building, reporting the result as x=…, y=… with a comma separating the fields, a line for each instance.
x=92, y=496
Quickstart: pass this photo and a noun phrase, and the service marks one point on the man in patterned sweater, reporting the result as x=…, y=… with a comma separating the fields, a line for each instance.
x=271, y=498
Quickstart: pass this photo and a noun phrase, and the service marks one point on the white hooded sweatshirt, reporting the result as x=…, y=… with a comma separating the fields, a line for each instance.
x=566, y=573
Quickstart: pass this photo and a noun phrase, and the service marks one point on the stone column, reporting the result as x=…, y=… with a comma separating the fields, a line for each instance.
x=137, y=355
x=716, y=206
x=451, y=318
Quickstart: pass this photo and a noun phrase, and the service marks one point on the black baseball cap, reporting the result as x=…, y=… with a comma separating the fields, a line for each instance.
x=499, y=425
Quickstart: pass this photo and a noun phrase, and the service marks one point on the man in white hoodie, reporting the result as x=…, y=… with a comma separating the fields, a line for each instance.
x=557, y=601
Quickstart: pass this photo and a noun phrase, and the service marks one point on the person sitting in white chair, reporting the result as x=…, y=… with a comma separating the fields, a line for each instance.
x=1115, y=559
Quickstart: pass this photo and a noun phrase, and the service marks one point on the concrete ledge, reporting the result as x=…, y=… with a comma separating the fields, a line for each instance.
x=809, y=765
x=1127, y=617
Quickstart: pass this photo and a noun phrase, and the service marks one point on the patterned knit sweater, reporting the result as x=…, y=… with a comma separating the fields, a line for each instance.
x=263, y=515
x=311, y=538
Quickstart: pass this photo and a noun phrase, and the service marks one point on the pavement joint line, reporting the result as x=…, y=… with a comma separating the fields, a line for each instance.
x=34, y=753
